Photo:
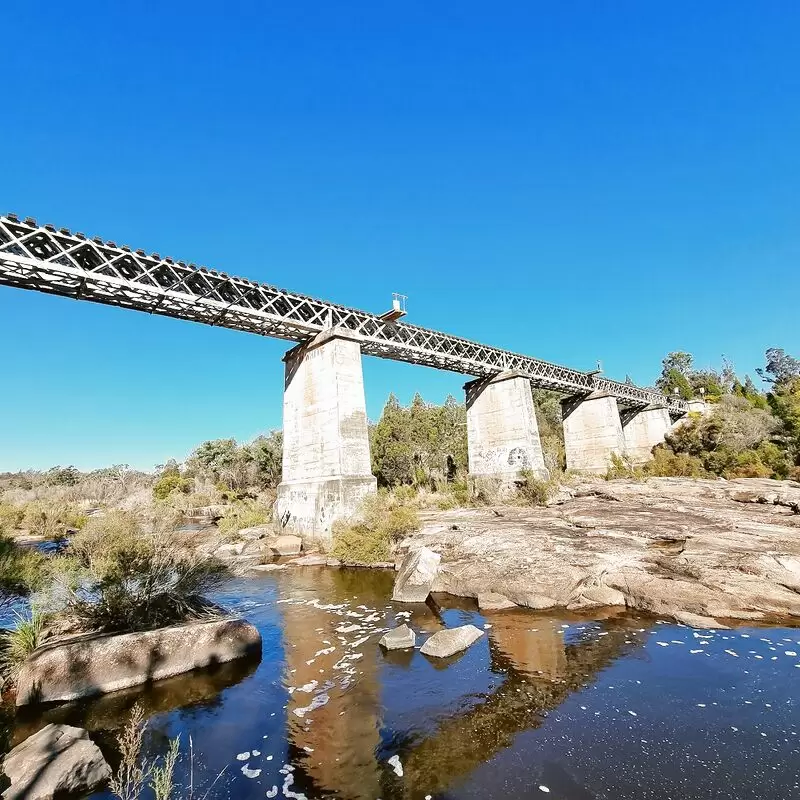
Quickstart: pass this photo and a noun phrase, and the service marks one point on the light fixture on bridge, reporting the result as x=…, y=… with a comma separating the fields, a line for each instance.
x=397, y=310
x=598, y=370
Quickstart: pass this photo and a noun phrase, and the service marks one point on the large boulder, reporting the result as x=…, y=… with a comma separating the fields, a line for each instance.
x=287, y=545
x=416, y=576
x=96, y=664
x=452, y=641
x=57, y=761
x=399, y=638
x=257, y=532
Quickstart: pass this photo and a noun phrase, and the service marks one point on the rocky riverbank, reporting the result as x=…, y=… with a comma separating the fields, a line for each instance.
x=682, y=548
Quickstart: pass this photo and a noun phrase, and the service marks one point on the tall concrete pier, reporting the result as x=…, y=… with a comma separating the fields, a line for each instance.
x=643, y=430
x=326, y=462
x=592, y=432
x=502, y=432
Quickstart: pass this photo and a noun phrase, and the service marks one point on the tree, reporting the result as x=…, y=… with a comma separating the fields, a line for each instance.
x=266, y=453
x=63, y=476
x=421, y=444
x=675, y=371
x=781, y=368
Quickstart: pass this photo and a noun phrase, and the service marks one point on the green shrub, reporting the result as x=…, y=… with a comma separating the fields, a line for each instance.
x=22, y=570
x=357, y=543
x=171, y=482
x=139, y=579
x=533, y=490
x=457, y=494
x=666, y=464
x=51, y=520
x=18, y=643
x=244, y=515
x=621, y=466
x=383, y=520
x=747, y=464
x=10, y=517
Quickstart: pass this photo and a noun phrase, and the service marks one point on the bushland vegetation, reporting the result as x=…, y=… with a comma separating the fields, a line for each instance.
x=123, y=571
x=749, y=433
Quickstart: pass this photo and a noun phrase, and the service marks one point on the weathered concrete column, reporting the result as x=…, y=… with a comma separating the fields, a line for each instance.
x=326, y=463
x=643, y=430
x=502, y=433
x=592, y=432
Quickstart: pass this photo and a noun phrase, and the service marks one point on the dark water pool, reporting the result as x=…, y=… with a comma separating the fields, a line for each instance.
x=620, y=708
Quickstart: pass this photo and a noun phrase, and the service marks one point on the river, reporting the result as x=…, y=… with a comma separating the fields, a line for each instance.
x=620, y=707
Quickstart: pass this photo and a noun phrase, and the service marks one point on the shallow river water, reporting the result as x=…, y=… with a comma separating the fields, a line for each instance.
x=557, y=706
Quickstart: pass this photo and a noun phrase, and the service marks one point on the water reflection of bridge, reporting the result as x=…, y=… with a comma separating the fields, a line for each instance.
x=337, y=748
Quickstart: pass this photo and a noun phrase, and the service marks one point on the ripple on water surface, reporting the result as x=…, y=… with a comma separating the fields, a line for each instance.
x=618, y=708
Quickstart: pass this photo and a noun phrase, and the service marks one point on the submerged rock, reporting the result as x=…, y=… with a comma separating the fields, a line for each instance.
x=311, y=560
x=452, y=641
x=269, y=567
x=399, y=638
x=491, y=601
x=57, y=761
x=416, y=576
x=98, y=663
x=697, y=621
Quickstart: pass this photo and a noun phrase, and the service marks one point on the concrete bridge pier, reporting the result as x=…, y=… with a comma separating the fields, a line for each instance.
x=643, y=430
x=592, y=432
x=326, y=462
x=502, y=433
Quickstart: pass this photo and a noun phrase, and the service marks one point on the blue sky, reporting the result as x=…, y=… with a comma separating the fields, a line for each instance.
x=576, y=181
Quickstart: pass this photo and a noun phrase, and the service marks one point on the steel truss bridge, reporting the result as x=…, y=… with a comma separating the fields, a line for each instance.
x=56, y=261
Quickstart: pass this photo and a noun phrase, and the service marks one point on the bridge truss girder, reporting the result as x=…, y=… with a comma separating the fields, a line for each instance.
x=45, y=259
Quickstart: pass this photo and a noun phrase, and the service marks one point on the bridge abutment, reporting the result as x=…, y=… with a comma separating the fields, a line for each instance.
x=592, y=432
x=502, y=432
x=326, y=461
x=643, y=430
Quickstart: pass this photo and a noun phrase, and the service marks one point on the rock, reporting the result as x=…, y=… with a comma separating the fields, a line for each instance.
x=452, y=641
x=257, y=547
x=57, y=761
x=269, y=567
x=95, y=664
x=287, y=545
x=664, y=546
x=399, y=638
x=562, y=495
x=333, y=562
x=696, y=621
x=208, y=512
x=311, y=560
x=416, y=576
x=257, y=532
x=226, y=551
x=491, y=601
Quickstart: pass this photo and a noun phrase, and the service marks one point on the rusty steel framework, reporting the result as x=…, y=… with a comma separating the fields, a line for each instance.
x=56, y=261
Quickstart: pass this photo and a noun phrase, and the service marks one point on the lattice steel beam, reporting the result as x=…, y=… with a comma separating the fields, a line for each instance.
x=46, y=259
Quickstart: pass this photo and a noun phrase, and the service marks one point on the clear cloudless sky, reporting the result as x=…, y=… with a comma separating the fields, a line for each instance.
x=572, y=180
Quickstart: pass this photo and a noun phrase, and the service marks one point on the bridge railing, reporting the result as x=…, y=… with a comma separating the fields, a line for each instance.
x=57, y=261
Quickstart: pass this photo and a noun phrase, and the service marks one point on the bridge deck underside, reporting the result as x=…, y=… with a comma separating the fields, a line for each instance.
x=52, y=261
